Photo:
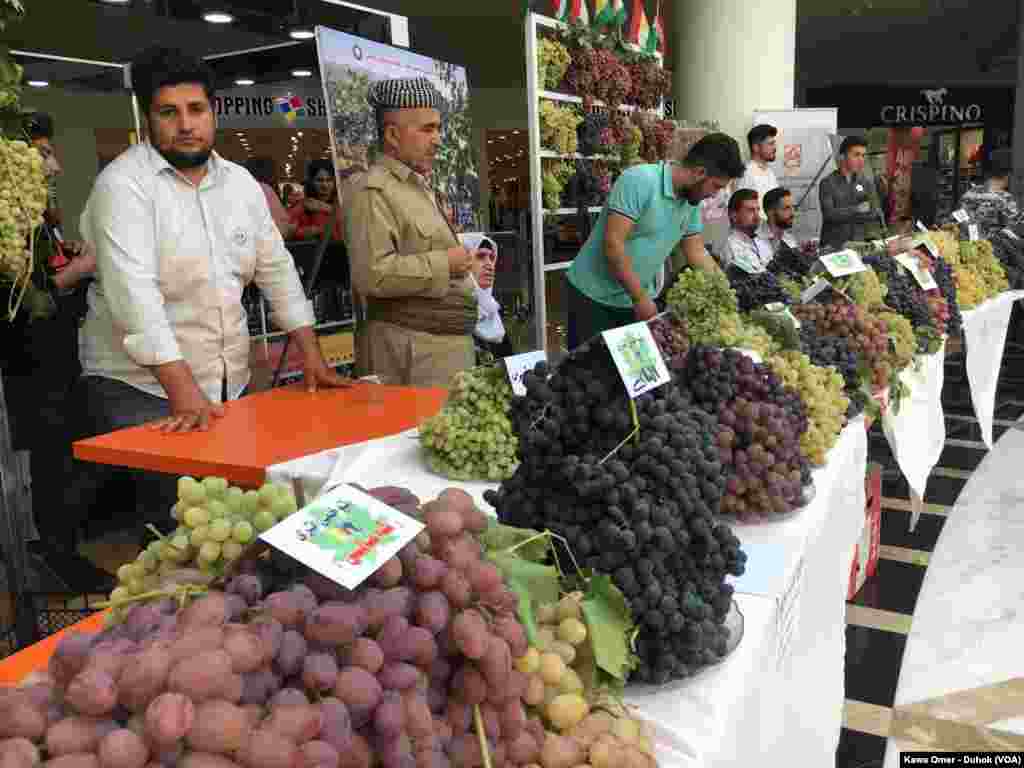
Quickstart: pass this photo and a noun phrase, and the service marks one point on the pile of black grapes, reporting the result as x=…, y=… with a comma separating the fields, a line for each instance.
x=590, y=133
x=943, y=274
x=835, y=351
x=753, y=291
x=790, y=262
x=904, y=296
x=636, y=503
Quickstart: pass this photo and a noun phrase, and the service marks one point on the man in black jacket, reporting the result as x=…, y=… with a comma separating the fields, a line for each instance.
x=850, y=207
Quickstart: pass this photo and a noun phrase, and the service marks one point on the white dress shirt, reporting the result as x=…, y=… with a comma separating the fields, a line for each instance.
x=754, y=254
x=172, y=260
x=761, y=180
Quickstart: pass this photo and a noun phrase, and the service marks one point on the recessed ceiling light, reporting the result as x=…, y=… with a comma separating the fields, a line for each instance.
x=116, y=2
x=218, y=17
x=302, y=73
x=38, y=83
x=298, y=133
x=239, y=133
x=244, y=81
x=301, y=32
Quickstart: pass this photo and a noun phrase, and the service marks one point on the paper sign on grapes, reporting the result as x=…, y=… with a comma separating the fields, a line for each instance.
x=637, y=358
x=344, y=535
x=842, y=263
x=518, y=365
x=922, y=276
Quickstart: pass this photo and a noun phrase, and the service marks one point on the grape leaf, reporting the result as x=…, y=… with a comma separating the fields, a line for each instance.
x=609, y=627
x=500, y=537
x=531, y=582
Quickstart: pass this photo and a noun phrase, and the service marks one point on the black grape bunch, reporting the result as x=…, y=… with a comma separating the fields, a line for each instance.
x=753, y=291
x=632, y=498
x=835, y=351
x=790, y=263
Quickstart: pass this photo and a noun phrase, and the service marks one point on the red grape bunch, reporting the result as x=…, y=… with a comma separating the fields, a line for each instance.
x=287, y=669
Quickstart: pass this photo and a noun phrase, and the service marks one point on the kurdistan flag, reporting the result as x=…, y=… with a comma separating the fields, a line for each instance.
x=560, y=9
x=578, y=11
x=656, y=38
x=639, y=32
x=609, y=13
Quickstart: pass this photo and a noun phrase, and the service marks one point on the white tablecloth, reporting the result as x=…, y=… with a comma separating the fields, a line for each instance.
x=777, y=700
x=984, y=339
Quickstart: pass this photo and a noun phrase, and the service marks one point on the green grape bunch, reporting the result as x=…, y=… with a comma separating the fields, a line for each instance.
x=471, y=438
x=216, y=521
x=558, y=127
x=22, y=203
x=821, y=390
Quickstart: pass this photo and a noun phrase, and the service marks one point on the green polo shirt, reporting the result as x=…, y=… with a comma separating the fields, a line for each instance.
x=644, y=194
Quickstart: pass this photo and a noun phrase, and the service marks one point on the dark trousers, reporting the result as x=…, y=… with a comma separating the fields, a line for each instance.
x=588, y=318
x=105, y=405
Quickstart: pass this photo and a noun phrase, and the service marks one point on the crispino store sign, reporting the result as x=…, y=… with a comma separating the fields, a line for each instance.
x=934, y=110
x=927, y=105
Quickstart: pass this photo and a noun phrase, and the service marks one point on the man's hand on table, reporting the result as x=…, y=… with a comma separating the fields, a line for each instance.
x=193, y=412
x=317, y=374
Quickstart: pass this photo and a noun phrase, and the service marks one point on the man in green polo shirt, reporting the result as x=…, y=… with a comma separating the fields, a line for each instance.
x=650, y=209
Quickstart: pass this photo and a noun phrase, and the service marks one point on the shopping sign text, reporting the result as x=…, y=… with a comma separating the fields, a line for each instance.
x=263, y=106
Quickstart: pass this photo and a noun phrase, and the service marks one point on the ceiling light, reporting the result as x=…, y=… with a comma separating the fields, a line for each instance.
x=298, y=133
x=244, y=81
x=218, y=17
x=239, y=133
x=302, y=73
x=116, y=2
x=301, y=32
x=38, y=83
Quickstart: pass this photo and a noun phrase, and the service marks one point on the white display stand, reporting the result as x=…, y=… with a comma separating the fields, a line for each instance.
x=534, y=94
x=781, y=691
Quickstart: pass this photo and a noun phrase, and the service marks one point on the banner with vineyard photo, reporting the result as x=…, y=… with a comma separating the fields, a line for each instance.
x=349, y=65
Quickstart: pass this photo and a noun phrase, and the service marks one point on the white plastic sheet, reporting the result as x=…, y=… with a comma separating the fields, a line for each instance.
x=984, y=339
x=917, y=433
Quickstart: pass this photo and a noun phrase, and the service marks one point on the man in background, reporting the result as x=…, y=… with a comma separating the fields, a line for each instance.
x=651, y=208
x=40, y=367
x=850, y=207
x=408, y=266
x=744, y=250
x=777, y=230
x=759, y=176
x=990, y=205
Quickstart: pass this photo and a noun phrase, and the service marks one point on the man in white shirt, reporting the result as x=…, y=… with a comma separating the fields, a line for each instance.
x=179, y=231
x=744, y=249
x=759, y=176
x=775, y=231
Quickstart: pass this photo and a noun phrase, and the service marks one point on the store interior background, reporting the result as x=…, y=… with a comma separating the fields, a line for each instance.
x=797, y=45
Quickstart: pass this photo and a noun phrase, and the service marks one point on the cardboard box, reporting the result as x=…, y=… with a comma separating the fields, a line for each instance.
x=865, y=555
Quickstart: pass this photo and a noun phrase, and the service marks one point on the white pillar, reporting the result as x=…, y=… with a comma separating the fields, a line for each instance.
x=732, y=57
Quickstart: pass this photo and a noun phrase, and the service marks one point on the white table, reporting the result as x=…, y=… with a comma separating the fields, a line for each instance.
x=968, y=624
x=777, y=700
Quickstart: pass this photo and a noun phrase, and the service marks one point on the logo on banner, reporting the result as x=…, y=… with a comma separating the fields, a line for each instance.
x=291, y=107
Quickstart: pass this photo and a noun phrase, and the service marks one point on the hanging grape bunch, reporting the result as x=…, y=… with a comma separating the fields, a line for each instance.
x=552, y=62
x=592, y=133
x=651, y=84
x=22, y=203
x=558, y=127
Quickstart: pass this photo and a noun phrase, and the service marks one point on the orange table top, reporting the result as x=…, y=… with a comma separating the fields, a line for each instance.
x=36, y=657
x=266, y=429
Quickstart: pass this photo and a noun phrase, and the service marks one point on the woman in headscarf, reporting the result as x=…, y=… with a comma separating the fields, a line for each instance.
x=489, y=333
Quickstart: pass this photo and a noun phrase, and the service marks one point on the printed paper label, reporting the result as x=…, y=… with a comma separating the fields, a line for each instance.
x=518, y=365
x=913, y=265
x=1010, y=233
x=927, y=244
x=779, y=308
x=960, y=216
x=344, y=535
x=972, y=232
x=842, y=263
x=637, y=358
x=814, y=289
x=922, y=227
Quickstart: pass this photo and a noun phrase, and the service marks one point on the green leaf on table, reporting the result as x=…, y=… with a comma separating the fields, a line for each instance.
x=609, y=627
x=528, y=545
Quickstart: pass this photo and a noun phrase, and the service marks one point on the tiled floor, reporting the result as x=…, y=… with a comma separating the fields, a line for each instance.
x=879, y=618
